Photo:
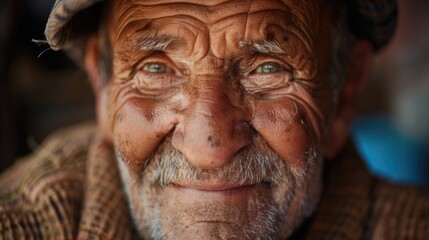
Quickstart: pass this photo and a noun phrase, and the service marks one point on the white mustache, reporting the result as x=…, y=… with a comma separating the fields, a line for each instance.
x=254, y=164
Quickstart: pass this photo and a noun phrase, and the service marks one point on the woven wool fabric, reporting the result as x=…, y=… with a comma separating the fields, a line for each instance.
x=70, y=189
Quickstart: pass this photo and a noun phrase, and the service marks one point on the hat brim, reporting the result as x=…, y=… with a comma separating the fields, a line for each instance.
x=58, y=30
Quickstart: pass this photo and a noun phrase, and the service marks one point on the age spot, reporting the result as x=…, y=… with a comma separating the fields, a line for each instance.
x=213, y=143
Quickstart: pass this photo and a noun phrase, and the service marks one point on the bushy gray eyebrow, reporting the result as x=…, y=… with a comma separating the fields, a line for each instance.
x=265, y=46
x=152, y=43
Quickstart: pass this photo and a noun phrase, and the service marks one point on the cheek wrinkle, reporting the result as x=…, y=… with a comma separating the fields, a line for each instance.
x=118, y=100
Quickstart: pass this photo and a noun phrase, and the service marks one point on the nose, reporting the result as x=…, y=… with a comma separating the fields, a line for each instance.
x=212, y=130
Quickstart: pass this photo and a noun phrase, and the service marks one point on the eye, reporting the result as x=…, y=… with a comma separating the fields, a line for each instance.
x=157, y=68
x=270, y=67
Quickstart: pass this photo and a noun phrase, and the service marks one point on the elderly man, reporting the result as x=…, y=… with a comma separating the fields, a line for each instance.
x=215, y=120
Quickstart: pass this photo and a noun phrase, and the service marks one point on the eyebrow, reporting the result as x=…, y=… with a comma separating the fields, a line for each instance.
x=152, y=43
x=265, y=46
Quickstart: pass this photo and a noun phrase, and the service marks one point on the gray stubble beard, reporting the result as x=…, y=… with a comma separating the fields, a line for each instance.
x=258, y=164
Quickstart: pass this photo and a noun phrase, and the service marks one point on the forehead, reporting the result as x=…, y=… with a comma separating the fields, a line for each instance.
x=211, y=11
x=220, y=26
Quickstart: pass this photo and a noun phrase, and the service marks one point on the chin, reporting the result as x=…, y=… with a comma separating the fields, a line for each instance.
x=256, y=196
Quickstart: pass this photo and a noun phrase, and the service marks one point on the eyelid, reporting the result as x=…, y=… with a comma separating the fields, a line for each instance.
x=147, y=68
x=248, y=66
x=280, y=68
x=159, y=58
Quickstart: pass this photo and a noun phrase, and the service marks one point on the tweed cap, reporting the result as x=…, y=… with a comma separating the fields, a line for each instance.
x=70, y=20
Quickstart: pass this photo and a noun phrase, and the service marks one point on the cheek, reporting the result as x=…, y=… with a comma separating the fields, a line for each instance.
x=285, y=126
x=138, y=128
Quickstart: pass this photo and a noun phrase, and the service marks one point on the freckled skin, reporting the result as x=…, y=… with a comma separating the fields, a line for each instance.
x=211, y=110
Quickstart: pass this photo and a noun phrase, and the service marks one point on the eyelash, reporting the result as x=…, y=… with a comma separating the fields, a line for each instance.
x=157, y=58
x=168, y=69
x=247, y=67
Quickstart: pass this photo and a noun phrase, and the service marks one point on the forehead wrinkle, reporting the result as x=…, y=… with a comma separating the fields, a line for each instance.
x=247, y=10
x=206, y=13
x=291, y=21
x=164, y=10
x=258, y=22
x=124, y=15
x=203, y=12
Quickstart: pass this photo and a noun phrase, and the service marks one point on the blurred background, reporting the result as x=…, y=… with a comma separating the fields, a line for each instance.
x=38, y=93
x=42, y=91
x=392, y=129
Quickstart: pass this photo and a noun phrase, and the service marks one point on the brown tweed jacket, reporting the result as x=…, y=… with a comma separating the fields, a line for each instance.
x=70, y=188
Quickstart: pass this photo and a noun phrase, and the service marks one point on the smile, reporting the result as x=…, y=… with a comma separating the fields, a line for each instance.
x=215, y=187
x=217, y=191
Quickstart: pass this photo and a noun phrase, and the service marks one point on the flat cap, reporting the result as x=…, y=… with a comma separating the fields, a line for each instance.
x=69, y=20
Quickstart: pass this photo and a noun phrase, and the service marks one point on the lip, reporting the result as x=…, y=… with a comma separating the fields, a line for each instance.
x=218, y=192
x=214, y=187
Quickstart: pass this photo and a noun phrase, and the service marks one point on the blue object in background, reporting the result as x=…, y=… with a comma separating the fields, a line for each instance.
x=389, y=154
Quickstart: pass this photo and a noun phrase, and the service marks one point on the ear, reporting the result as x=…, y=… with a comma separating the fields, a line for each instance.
x=362, y=59
x=92, y=63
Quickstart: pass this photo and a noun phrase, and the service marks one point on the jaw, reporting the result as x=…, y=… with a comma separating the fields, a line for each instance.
x=227, y=214
x=258, y=211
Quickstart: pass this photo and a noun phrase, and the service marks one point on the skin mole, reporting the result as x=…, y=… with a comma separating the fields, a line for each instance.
x=213, y=143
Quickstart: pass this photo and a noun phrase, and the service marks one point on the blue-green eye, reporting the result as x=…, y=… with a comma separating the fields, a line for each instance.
x=156, y=68
x=270, y=67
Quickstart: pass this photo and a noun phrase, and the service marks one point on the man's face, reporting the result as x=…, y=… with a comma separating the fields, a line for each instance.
x=218, y=111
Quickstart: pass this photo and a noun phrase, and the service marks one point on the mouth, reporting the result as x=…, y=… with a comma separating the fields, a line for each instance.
x=215, y=187
x=218, y=190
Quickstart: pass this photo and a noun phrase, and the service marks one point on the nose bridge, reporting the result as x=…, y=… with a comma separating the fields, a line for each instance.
x=213, y=129
x=214, y=114
x=212, y=102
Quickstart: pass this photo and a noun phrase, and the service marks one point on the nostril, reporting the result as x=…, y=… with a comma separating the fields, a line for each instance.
x=246, y=128
x=255, y=132
x=246, y=124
